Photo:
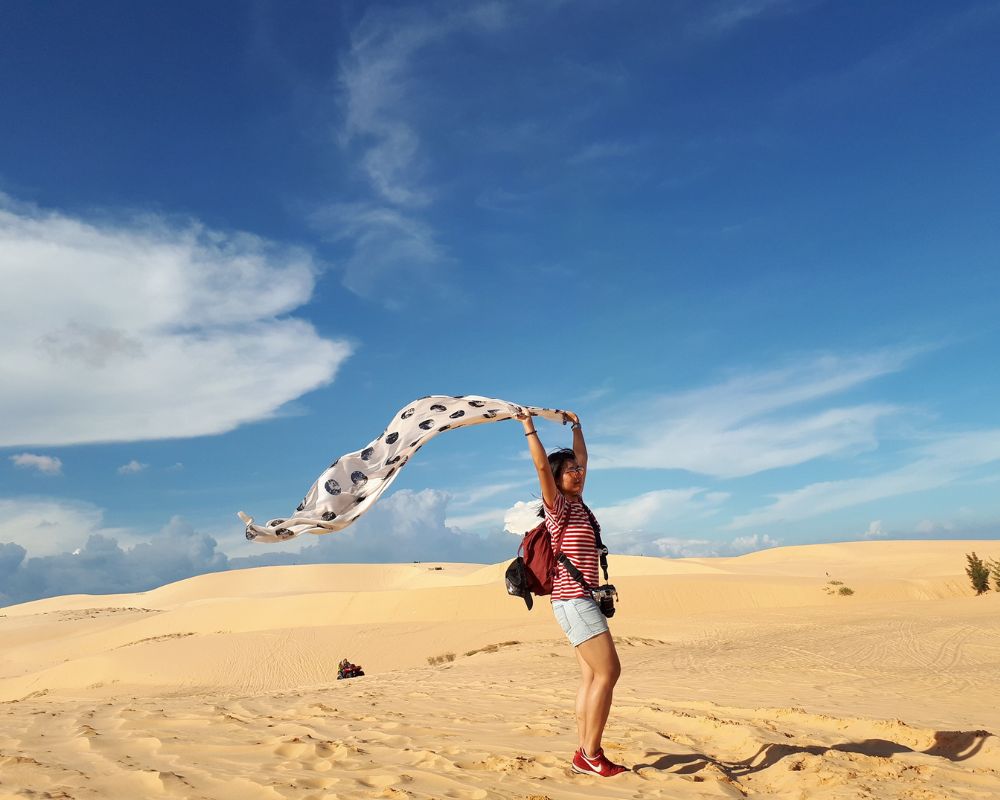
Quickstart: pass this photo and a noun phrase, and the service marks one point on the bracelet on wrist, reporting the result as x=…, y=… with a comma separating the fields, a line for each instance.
x=576, y=426
x=531, y=432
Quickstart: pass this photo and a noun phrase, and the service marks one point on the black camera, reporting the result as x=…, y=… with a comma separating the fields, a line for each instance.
x=605, y=597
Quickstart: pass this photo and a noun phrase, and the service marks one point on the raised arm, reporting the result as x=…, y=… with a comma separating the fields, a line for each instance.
x=540, y=460
x=579, y=445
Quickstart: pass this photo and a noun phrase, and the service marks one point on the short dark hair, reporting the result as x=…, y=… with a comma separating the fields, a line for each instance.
x=557, y=463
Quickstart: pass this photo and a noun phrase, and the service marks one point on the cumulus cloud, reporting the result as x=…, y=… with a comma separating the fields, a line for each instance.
x=406, y=526
x=102, y=566
x=751, y=544
x=927, y=527
x=132, y=467
x=875, y=530
x=674, y=547
x=749, y=423
x=47, y=465
x=521, y=517
x=148, y=329
x=44, y=526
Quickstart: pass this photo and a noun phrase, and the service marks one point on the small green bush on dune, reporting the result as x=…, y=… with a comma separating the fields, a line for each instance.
x=978, y=573
x=995, y=571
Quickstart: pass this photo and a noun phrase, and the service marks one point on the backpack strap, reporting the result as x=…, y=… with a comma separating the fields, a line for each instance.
x=601, y=549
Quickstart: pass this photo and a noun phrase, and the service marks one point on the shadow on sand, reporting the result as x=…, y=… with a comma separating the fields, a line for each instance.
x=950, y=745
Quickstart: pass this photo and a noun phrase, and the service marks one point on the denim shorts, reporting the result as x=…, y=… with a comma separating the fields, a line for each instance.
x=581, y=618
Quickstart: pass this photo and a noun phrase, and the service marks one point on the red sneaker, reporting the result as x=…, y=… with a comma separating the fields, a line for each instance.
x=599, y=765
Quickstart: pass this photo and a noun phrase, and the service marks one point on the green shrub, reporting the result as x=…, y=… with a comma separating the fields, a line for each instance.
x=845, y=590
x=995, y=570
x=978, y=573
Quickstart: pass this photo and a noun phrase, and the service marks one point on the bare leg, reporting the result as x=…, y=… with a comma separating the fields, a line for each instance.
x=600, y=655
x=582, y=694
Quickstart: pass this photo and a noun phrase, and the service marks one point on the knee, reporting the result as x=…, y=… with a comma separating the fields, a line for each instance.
x=610, y=675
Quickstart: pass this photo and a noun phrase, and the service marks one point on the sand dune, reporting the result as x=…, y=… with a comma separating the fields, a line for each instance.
x=743, y=677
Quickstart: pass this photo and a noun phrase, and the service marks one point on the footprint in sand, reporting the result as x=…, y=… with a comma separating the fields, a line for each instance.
x=291, y=749
x=379, y=781
x=529, y=767
x=425, y=758
x=315, y=783
x=535, y=730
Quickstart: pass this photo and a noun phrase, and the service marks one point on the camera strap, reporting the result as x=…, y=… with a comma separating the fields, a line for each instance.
x=575, y=574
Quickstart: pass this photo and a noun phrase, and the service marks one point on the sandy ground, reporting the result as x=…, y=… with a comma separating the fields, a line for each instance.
x=742, y=677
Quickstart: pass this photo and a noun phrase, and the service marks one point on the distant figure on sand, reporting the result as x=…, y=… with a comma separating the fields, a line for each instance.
x=571, y=528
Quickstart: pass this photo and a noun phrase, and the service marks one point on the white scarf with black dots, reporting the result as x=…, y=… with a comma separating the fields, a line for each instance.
x=352, y=483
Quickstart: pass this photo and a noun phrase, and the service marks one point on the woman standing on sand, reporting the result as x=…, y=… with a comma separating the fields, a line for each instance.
x=571, y=529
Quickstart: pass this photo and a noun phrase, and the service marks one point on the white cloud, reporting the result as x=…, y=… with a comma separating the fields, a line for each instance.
x=634, y=524
x=383, y=97
x=490, y=517
x=875, y=530
x=935, y=464
x=44, y=526
x=132, y=467
x=402, y=527
x=658, y=506
x=929, y=526
x=674, y=547
x=468, y=497
x=750, y=544
x=101, y=565
x=724, y=16
x=597, y=151
x=744, y=425
x=148, y=329
x=381, y=91
x=521, y=517
x=48, y=465
x=384, y=243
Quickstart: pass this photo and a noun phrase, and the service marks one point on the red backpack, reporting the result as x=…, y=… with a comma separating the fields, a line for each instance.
x=539, y=560
x=534, y=569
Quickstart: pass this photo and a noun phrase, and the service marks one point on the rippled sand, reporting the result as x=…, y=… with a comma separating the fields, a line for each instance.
x=745, y=677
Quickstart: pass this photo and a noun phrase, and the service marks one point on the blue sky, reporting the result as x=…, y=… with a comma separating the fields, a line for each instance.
x=753, y=243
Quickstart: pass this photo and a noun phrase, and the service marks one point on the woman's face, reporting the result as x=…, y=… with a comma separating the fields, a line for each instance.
x=571, y=478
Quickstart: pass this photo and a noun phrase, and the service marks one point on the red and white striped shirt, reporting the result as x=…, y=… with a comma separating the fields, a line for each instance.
x=569, y=520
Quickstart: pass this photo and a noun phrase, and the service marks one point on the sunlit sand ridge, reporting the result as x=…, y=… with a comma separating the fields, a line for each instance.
x=743, y=677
